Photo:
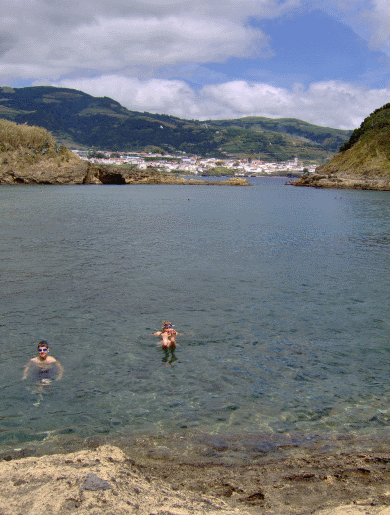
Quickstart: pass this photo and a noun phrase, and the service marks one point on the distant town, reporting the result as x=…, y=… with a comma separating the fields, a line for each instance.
x=195, y=165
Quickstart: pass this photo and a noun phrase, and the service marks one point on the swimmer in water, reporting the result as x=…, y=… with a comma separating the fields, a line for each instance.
x=168, y=335
x=43, y=364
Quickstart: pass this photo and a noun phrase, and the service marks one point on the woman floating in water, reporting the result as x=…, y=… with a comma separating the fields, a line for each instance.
x=168, y=335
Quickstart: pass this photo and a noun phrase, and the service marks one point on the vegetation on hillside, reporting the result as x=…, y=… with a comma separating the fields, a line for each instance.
x=376, y=125
x=13, y=136
x=81, y=120
x=26, y=150
x=29, y=143
x=363, y=162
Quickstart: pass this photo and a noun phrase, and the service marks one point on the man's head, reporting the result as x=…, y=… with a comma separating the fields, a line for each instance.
x=43, y=348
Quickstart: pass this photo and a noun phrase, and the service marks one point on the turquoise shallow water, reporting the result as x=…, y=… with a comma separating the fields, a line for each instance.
x=282, y=293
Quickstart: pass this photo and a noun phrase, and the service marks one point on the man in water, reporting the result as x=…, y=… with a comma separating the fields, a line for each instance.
x=168, y=335
x=43, y=364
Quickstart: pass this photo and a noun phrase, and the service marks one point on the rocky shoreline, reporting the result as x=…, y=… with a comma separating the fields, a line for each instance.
x=343, y=182
x=75, y=171
x=164, y=477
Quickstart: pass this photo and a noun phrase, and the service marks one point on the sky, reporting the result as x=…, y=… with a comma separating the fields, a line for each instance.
x=323, y=61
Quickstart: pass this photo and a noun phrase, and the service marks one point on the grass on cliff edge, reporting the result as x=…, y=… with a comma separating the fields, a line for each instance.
x=23, y=145
x=366, y=159
x=367, y=153
x=13, y=136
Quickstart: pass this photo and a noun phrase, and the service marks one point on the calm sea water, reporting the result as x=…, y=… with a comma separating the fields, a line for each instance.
x=282, y=293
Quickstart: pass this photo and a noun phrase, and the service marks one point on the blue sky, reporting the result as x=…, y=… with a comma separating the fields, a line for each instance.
x=326, y=62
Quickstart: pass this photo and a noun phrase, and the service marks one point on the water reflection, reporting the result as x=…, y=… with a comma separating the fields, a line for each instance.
x=169, y=356
x=39, y=389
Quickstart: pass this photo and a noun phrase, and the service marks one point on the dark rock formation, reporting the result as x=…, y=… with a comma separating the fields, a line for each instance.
x=103, y=175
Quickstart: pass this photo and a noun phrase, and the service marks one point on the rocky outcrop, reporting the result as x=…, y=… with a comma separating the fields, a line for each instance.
x=76, y=171
x=340, y=181
x=70, y=170
x=363, y=162
x=103, y=174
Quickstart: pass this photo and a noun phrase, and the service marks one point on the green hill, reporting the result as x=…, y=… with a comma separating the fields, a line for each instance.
x=80, y=120
x=363, y=161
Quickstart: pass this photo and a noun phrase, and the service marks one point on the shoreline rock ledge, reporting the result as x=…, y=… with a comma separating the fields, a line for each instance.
x=79, y=172
x=342, y=181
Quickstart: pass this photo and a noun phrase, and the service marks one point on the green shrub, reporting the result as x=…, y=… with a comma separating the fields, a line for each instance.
x=14, y=136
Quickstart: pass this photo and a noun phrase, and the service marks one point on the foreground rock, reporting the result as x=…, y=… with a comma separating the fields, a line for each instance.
x=114, y=481
x=101, y=481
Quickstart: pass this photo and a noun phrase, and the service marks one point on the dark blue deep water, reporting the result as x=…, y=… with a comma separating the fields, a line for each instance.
x=282, y=293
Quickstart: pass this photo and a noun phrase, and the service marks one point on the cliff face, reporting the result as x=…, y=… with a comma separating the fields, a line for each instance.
x=19, y=167
x=363, y=162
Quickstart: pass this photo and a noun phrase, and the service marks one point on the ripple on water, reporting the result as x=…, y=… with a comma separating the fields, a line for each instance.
x=281, y=293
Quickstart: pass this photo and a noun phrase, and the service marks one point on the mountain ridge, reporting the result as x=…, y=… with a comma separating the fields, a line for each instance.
x=80, y=120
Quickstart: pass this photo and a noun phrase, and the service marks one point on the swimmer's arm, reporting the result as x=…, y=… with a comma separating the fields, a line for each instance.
x=158, y=333
x=24, y=376
x=60, y=370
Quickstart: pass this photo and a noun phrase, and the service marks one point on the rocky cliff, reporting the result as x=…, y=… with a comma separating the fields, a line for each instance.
x=363, y=162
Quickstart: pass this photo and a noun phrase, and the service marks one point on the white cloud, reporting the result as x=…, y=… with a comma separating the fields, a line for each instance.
x=370, y=19
x=378, y=19
x=105, y=47
x=331, y=103
x=51, y=39
x=42, y=38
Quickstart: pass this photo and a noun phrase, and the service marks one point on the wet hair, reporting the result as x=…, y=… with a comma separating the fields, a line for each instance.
x=165, y=322
x=43, y=343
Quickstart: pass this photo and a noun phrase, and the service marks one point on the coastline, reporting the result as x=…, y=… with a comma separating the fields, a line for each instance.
x=340, y=181
x=78, y=172
x=164, y=475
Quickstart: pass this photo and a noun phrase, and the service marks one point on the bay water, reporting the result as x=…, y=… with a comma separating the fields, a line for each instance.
x=281, y=295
